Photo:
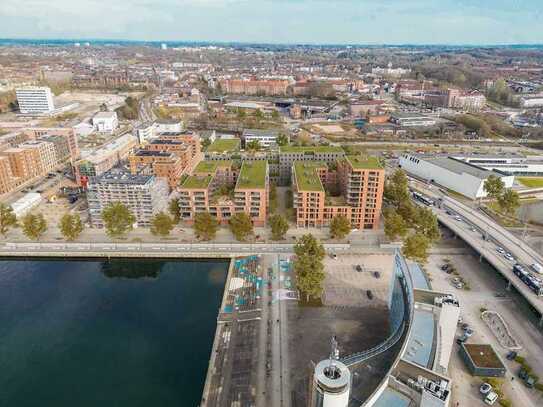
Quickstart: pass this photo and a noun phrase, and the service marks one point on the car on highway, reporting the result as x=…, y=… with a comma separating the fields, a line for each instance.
x=509, y=256
x=458, y=218
x=485, y=388
x=500, y=250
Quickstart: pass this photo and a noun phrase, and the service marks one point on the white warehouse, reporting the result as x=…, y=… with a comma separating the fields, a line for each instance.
x=456, y=175
x=105, y=122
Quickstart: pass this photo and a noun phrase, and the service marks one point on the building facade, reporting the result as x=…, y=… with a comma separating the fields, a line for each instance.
x=35, y=100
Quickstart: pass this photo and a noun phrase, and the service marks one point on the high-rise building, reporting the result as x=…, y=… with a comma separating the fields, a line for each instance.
x=354, y=189
x=143, y=195
x=35, y=100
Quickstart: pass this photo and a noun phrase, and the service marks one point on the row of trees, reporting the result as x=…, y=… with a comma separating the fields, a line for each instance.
x=416, y=226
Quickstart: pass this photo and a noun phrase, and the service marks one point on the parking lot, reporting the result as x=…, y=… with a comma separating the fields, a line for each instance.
x=487, y=290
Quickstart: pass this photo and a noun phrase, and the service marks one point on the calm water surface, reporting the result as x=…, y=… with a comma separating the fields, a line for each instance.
x=96, y=333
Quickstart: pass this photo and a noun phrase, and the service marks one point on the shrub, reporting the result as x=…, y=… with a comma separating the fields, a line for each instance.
x=506, y=403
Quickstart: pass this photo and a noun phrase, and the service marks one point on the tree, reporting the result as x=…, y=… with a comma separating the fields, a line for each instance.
x=282, y=140
x=253, y=145
x=273, y=198
x=70, y=226
x=397, y=189
x=241, y=226
x=395, y=225
x=340, y=227
x=34, y=226
x=426, y=224
x=206, y=143
x=118, y=219
x=416, y=247
x=275, y=115
x=241, y=114
x=161, y=224
x=494, y=186
x=259, y=115
x=279, y=226
x=7, y=218
x=308, y=266
x=509, y=202
x=175, y=210
x=205, y=225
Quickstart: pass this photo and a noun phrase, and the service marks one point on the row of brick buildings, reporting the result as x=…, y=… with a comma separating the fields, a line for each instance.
x=43, y=150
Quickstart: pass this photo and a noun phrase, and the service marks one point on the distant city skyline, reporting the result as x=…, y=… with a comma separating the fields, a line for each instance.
x=465, y=22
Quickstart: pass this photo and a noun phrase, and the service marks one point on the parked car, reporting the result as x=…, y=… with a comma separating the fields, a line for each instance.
x=485, y=388
x=511, y=355
x=358, y=268
x=334, y=256
x=468, y=332
x=491, y=398
x=445, y=267
x=369, y=294
x=465, y=326
x=528, y=380
x=461, y=339
x=376, y=274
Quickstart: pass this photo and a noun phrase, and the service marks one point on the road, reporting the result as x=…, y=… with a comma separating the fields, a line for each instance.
x=149, y=249
x=473, y=227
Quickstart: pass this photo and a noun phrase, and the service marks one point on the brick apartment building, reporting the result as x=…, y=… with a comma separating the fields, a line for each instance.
x=66, y=132
x=268, y=87
x=354, y=189
x=222, y=189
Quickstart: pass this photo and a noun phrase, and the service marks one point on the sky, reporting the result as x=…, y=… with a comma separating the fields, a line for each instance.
x=279, y=21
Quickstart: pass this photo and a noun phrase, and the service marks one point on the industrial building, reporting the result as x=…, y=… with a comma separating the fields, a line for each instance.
x=459, y=176
x=512, y=165
x=35, y=100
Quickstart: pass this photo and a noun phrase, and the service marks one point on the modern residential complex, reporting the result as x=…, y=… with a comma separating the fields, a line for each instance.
x=143, y=195
x=354, y=188
x=222, y=189
x=266, y=138
x=35, y=100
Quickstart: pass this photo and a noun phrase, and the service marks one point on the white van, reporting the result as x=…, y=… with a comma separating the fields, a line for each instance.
x=491, y=398
x=538, y=268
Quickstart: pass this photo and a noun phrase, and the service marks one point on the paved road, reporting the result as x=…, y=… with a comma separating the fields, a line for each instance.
x=150, y=249
x=471, y=225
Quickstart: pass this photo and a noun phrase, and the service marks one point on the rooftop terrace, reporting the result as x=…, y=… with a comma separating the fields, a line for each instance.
x=360, y=162
x=252, y=175
x=197, y=182
x=224, y=145
x=306, y=175
x=209, y=167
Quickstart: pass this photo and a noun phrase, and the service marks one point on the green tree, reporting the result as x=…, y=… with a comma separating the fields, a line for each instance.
x=340, y=227
x=426, y=224
x=7, y=218
x=175, y=210
x=308, y=266
x=253, y=145
x=70, y=226
x=397, y=189
x=161, y=224
x=205, y=225
x=282, y=140
x=273, y=198
x=494, y=186
x=259, y=115
x=509, y=202
x=416, y=247
x=241, y=226
x=395, y=225
x=206, y=143
x=275, y=115
x=34, y=226
x=118, y=219
x=279, y=226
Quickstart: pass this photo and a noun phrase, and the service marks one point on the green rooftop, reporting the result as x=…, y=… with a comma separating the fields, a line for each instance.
x=309, y=149
x=252, y=175
x=209, y=167
x=364, y=162
x=196, y=182
x=307, y=178
x=224, y=145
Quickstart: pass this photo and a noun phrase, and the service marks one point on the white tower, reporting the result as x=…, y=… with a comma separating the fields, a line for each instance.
x=331, y=385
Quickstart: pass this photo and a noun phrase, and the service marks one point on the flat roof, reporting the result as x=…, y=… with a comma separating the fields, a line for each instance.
x=460, y=167
x=483, y=355
x=209, y=166
x=421, y=340
x=121, y=177
x=259, y=132
x=252, y=175
x=364, y=162
x=306, y=175
x=197, y=182
x=224, y=145
x=317, y=149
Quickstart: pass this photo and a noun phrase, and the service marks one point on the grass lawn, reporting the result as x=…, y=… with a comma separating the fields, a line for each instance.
x=531, y=182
